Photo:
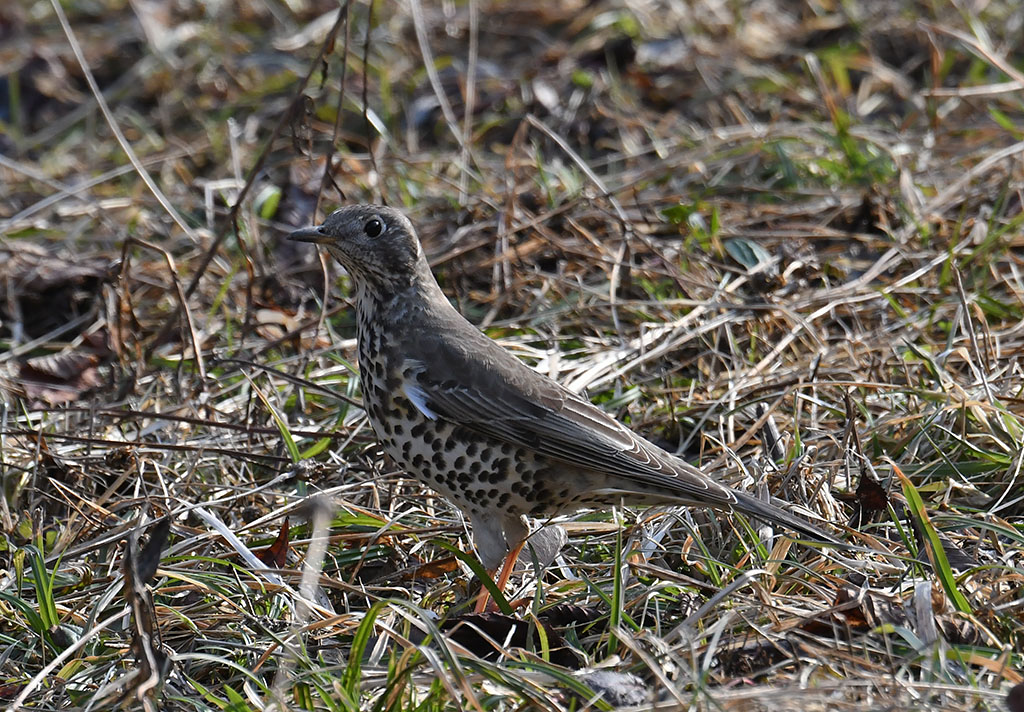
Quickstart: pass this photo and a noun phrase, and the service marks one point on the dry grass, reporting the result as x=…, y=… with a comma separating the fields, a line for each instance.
x=724, y=221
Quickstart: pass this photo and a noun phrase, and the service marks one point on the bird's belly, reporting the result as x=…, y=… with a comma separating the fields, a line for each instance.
x=479, y=474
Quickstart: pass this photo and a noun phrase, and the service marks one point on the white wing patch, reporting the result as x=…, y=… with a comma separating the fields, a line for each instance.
x=419, y=399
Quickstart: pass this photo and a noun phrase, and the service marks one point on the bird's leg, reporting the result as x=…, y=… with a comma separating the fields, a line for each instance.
x=483, y=601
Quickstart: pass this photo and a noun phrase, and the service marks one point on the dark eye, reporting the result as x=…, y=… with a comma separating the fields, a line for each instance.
x=373, y=227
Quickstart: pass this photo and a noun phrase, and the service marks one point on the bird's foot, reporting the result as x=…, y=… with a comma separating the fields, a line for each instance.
x=484, y=602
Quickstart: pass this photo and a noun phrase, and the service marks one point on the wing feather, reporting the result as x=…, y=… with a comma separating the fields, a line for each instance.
x=463, y=376
x=497, y=395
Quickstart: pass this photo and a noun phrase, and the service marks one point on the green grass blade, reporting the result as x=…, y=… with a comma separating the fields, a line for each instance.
x=933, y=545
x=481, y=573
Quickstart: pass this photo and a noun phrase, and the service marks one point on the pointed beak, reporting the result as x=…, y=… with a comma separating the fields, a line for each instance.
x=309, y=234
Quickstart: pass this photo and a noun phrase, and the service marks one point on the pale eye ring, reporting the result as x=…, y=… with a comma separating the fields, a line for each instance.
x=374, y=227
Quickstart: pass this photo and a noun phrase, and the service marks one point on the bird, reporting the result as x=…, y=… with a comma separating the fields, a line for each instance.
x=468, y=419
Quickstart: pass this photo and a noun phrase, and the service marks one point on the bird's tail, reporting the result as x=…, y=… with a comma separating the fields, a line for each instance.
x=752, y=506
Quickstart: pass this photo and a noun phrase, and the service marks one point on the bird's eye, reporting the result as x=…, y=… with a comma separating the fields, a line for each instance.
x=373, y=227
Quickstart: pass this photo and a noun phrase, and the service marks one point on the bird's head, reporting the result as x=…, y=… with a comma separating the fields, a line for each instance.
x=377, y=245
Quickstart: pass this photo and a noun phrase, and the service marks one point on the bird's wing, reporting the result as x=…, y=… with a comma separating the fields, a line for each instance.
x=481, y=386
x=462, y=376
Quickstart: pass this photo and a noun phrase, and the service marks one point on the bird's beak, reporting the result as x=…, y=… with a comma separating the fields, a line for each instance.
x=308, y=234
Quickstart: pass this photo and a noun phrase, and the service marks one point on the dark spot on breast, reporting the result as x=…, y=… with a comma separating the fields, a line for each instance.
x=399, y=429
x=418, y=429
x=475, y=467
x=417, y=460
x=459, y=463
x=485, y=454
x=503, y=499
x=471, y=449
x=438, y=460
x=436, y=445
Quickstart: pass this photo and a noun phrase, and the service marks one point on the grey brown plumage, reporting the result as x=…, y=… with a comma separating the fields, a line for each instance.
x=472, y=421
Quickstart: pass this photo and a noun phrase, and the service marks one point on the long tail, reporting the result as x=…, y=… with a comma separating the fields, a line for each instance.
x=754, y=507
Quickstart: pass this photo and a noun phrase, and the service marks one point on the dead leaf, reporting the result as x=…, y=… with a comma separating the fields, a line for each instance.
x=435, y=569
x=276, y=555
x=58, y=378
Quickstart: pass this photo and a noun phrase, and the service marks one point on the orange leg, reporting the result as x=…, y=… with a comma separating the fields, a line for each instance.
x=484, y=602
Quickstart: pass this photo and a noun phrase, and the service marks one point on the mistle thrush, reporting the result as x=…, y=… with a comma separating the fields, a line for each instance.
x=473, y=422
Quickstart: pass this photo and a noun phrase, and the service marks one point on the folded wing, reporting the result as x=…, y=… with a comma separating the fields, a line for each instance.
x=499, y=396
